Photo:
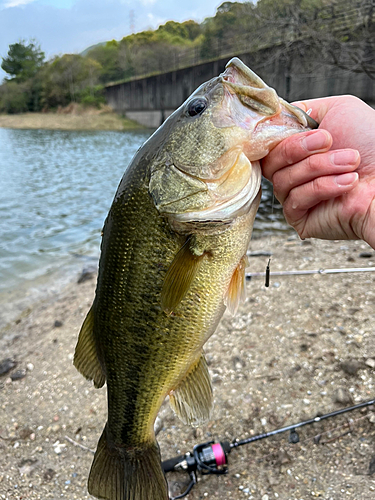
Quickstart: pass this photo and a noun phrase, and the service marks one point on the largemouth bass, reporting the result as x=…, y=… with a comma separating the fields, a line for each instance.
x=173, y=257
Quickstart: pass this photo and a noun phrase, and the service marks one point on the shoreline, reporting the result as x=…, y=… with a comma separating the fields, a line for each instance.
x=85, y=120
x=303, y=346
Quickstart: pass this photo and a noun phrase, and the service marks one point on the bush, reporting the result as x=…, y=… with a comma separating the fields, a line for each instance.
x=92, y=96
x=14, y=98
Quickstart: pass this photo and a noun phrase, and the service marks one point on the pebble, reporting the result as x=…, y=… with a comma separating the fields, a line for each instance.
x=6, y=365
x=58, y=323
x=18, y=375
x=351, y=366
x=342, y=396
x=58, y=447
x=30, y=367
x=366, y=255
x=48, y=475
x=370, y=362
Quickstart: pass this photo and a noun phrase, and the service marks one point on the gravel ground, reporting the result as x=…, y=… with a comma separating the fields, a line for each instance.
x=301, y=347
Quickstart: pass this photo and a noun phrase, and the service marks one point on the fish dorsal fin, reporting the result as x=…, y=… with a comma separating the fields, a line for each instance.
x=192, y=400
x=236, y=292
x=85, y=357
x=179, y=277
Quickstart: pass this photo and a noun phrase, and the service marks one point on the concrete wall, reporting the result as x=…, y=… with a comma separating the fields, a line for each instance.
x=150, y=100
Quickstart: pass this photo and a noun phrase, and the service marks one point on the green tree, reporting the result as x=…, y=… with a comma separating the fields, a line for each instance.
x=23, y=60
x=14, y=97
x=65, y=78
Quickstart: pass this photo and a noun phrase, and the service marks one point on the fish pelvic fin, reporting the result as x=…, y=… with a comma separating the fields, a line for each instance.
x=85, y=356
x=180, y=276
x=192, y=400
x=236, y=292
x=119, y=473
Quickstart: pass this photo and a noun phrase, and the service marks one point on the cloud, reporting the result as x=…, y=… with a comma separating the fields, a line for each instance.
x=16, y=3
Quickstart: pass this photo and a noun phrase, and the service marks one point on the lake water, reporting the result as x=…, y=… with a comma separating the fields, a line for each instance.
x=55, y=190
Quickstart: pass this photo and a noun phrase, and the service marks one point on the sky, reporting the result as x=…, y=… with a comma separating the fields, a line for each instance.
x=70, y=26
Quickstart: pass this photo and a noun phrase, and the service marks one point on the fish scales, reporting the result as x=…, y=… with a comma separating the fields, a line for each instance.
x=173, y=258
x=168, y=345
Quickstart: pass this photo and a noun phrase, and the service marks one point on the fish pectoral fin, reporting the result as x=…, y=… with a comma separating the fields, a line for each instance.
x=236, y=292
x=85, y=356
x=179, y=277
x=119, y=473
x=192, y=400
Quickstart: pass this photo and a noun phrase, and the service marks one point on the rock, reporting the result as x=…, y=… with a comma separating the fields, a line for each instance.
x=6, y=365
x=370, y=362
x=342, y=396
x=58, y=447
x=351, y=366
x=18, y=375
x=366, y=255
x=371, y=468
x=30, y=367
x=48, y=475
x=26, y=466
x=25, y=432
x=260, y=253
x=58, y=323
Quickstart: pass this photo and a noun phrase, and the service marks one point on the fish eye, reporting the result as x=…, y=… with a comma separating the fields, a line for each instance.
x=197, y=106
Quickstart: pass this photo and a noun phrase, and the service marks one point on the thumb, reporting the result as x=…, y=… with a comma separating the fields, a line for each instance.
x=318, y=107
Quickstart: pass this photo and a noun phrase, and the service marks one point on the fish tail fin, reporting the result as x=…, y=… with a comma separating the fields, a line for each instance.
x=127, y=474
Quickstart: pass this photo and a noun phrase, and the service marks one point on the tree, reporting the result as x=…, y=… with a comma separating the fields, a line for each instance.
x=65, y=78
x=23, y=60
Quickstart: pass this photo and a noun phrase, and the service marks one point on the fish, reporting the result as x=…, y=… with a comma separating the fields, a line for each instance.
x=173, y=259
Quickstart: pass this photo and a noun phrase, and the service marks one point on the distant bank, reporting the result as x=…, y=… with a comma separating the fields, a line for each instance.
x=76, y=120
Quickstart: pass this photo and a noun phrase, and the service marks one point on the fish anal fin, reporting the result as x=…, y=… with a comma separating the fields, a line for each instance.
x=192, y=400
x=118, y=473
x=179, y=277
x=85, y=356
x=236, y=292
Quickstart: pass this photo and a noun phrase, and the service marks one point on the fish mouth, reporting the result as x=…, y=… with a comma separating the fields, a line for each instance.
x=232, y=194
x=254, y=93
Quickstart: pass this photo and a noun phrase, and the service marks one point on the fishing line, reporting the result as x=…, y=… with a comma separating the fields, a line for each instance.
x=311, y=271
x=267, y=281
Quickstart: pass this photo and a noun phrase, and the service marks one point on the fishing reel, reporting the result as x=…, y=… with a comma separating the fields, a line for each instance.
x=212, y=458
x=206, y=458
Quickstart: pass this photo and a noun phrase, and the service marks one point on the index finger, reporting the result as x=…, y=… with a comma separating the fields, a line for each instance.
x=294, y=149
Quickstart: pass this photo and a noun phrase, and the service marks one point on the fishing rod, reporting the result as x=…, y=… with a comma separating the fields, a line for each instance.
x=212, y=457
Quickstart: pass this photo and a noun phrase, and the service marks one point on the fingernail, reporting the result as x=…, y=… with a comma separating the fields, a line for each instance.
x=346, y=179
x=315, y=141
x=344, y=157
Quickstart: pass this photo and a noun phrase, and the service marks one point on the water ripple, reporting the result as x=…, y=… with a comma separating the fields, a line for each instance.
x=55, y=190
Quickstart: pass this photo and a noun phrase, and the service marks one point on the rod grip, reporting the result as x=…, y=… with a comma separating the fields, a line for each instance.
x=169, y=465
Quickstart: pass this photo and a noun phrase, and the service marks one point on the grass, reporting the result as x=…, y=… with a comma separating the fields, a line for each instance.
x=89, y=120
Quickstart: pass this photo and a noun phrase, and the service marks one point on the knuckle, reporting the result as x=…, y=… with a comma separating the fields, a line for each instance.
x=287, y=150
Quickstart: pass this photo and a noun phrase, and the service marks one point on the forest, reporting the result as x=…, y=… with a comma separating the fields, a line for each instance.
x=340, y=32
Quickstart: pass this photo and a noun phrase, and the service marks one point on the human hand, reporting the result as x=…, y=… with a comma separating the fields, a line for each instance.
x=325, y=178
